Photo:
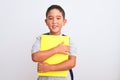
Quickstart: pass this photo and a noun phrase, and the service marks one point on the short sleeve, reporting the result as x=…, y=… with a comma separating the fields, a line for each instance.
x=36, y=45
x=73, y=49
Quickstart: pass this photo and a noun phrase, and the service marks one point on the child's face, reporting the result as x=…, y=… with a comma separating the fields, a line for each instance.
x=55, y=21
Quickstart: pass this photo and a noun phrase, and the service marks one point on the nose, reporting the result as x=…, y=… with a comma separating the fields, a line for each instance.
x=54, y=20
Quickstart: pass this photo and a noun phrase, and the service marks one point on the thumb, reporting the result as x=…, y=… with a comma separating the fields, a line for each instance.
x=62, y=43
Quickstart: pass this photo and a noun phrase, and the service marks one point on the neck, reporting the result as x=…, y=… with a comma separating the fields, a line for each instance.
x=54, y=33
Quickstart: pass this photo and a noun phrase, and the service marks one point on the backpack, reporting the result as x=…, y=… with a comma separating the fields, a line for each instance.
x=70, y=70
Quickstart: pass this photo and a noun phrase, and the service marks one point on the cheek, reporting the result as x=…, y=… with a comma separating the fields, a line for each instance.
x=48, y=24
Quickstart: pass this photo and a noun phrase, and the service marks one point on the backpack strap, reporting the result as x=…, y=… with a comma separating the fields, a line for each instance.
x=71, y=74
x=46, y=33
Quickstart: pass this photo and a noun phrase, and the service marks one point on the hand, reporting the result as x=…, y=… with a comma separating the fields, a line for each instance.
x=43, y=67
x=62, y=48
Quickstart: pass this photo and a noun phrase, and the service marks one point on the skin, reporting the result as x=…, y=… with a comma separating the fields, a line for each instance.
x=55, y=22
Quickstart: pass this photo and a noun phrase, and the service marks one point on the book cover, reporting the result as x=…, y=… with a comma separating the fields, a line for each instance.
x=48, y=42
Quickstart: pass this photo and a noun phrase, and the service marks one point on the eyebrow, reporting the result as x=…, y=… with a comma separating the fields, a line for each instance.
x=59, y=16
x=56, y=16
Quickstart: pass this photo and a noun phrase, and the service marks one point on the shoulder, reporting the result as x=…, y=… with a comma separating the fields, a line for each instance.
x=38, y=37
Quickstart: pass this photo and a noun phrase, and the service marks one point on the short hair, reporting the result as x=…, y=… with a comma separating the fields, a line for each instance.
x=56, y=7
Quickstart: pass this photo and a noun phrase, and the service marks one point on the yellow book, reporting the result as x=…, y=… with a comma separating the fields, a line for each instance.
x=48, y=42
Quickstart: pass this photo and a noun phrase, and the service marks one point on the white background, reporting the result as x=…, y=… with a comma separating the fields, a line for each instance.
x=93, y=24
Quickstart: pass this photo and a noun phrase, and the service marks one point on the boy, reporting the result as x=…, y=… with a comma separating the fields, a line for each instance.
x=55, y=20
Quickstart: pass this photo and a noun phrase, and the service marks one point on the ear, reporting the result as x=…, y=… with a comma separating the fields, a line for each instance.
x=46, y=21
x=64, y=21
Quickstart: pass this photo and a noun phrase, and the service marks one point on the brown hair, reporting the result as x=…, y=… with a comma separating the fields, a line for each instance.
x=56, y=7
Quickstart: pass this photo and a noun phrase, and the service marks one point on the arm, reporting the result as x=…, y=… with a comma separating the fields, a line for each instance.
x=40, y=56
x=66, y=65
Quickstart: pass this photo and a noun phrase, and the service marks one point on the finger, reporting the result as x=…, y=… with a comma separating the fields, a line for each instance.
x=67, y=48
x=39, y=67
x=62, y=43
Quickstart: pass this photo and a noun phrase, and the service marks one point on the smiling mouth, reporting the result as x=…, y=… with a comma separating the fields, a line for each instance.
x=54, y=26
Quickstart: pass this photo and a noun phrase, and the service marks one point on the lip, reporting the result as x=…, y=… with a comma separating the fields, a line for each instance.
x=54, y=26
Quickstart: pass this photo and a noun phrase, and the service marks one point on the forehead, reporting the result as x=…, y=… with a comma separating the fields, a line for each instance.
x=54, y=12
